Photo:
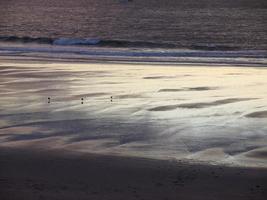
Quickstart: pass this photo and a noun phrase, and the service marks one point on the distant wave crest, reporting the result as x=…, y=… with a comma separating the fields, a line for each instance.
x=39, y=40
x=83, y=41
x=112, y=43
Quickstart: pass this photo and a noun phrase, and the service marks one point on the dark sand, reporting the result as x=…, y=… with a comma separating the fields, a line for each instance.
x=188, y=89
x=31, y=175
x=260, y=114
x=200, y=105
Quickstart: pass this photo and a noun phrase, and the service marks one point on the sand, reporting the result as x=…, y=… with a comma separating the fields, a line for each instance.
x=202, y=112
x=260, y=114
x=31, y=175
x=103, y=130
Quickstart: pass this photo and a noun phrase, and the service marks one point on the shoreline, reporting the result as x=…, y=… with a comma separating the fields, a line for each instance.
x=128, y=55
x=36, y=59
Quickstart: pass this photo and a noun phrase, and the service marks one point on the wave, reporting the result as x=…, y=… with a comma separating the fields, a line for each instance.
x=112, y=43
x=83, y=42
x=83, y=49
x=39, y=40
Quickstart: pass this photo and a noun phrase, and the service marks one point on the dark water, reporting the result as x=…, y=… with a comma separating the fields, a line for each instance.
x=240, y=24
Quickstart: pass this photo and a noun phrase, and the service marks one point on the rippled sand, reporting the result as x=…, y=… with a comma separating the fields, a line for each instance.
x=208, y=113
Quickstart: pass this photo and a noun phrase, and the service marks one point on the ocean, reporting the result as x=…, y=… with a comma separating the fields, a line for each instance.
x=186, y=24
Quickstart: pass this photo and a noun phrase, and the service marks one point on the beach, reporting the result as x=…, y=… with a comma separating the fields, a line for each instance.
x=131, y=130
x=133, y=99
x=209, y=113
x=27, y=174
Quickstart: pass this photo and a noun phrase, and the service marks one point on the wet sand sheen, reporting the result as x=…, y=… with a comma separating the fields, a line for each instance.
x=114, y=144
x=89, y=113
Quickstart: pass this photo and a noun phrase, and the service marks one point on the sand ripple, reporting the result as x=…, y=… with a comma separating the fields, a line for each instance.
x=259, y=114
x=189, y=89
x=199, y=105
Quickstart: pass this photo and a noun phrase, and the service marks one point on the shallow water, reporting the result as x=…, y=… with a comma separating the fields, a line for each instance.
x=215, y=114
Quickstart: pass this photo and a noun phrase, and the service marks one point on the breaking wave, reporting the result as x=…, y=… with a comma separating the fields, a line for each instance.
x=120, y=50
x=84, y=42
x=112, y=43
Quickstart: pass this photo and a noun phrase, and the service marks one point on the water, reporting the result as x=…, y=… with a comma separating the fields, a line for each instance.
x=239, y=24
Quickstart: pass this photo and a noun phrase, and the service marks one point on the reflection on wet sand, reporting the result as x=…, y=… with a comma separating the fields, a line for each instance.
x=188, y=89
x=216, y=114
x=200, y=105
x=259, y=114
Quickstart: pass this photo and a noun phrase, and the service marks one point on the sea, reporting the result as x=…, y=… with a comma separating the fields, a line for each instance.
x=171, y=29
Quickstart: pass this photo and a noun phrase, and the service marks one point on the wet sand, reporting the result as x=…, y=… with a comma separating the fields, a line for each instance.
x=71, y=130
x=206, y=113
x=260, y=114
x=31, y=175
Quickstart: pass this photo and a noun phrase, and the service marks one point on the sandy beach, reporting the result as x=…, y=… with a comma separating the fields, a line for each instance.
x=101, y=130
x=27, y=174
